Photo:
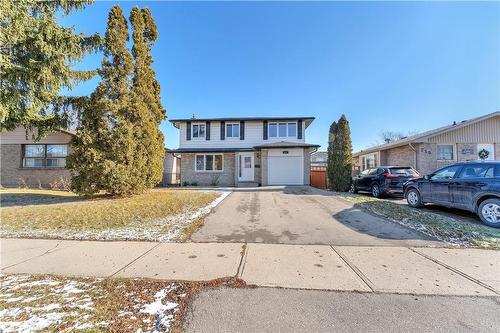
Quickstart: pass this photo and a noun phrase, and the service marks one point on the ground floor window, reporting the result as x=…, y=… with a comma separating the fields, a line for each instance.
x=44, y=156
x=208, y=162
x=368, y=161
x=445, y=152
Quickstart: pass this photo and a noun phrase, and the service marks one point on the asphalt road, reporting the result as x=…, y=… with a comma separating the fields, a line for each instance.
x=286, y=310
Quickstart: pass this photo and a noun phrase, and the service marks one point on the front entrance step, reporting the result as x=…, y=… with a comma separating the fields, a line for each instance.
x=248, y=184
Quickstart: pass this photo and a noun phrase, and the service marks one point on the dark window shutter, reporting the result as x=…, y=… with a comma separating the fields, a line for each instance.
x=299, y=129
x=242, y=130
x=188, y=130
x=207, y=131
x=264, y=128
x=222, y=130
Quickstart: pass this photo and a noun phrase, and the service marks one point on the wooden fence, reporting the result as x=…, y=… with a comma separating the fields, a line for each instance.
x=318, y=177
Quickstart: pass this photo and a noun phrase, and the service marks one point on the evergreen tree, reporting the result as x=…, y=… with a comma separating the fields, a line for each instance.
x=36, y=55
x=339, y=165
x=145, y=99
x=105, y=145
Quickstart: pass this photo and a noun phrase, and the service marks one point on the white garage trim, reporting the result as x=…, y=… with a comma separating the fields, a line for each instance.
x=285, y=166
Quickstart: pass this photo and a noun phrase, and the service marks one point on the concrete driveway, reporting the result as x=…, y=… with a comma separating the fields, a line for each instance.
x=300, y=215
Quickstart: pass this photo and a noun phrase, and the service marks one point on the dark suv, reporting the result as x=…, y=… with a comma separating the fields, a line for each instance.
x=472, y=186
x=383, y=179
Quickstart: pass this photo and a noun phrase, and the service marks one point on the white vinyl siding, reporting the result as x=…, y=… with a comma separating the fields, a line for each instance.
x=253, y=137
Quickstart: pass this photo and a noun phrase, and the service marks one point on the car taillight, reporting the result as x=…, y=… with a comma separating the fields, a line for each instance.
x=389, y=175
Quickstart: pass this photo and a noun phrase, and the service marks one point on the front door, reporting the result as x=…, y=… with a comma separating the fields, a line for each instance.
x=246, y=165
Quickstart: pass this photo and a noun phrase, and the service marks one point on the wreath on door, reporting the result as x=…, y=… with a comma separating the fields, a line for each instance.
x=483, y=154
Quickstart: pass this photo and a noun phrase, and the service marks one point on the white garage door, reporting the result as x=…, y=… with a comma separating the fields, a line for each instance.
x=285, y=167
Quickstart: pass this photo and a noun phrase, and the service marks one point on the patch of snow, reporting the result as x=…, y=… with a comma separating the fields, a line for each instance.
x=157, y=308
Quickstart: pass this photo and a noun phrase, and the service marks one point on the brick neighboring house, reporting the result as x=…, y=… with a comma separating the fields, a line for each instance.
x=24, y=161
x=431, y=150
x=244, y=151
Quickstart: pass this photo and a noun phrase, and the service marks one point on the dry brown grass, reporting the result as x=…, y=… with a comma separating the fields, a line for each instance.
x=57, y=210
x=112, y=305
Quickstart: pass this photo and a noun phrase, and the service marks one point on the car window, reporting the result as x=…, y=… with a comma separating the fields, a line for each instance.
x=497, y=170
x=406, y=172
x=373, y=172
x=446, y=173
x=365, y=172
x=477, y=171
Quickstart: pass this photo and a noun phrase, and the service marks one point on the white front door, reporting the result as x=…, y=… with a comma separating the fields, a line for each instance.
x=488, y=153
x=246, y=171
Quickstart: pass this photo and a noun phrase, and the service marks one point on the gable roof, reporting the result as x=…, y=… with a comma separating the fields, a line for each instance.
x=423, y=136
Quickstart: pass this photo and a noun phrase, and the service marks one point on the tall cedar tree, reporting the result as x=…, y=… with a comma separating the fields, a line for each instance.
x=339, y=166
x=105, y=145
x=36, y=57
x=145, y=99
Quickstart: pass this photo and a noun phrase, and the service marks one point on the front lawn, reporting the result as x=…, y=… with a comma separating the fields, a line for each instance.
x=160, y=214
x=42, y=303
x=444, y=228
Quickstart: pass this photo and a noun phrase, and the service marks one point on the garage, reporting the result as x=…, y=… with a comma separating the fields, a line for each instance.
x=285, y=166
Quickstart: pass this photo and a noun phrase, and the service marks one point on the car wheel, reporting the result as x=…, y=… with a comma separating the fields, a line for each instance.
x=413, y=198
x=376, y=191
x=353, y=189
x=489, y=212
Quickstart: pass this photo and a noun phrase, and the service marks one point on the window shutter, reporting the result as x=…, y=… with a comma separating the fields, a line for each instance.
x=188, y=130
x=242, y=130
x=299, y=129
x=222, y=130
x=207, y=130
x=264, y=128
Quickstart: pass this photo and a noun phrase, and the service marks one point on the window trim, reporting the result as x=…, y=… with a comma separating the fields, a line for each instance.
x=277, y=123
x=45, y=156
x=232, y=137
x=205, y=163
x=453, y=152
x=204, y=132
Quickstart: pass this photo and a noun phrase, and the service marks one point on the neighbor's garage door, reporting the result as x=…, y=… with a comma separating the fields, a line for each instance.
x=285, y=167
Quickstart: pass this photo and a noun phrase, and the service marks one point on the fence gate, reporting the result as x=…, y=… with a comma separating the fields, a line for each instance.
x=318, y=177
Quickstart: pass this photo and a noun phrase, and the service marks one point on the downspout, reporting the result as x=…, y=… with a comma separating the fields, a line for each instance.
x=415, y=151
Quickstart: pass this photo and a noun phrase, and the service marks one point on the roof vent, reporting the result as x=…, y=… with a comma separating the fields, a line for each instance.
x=454, y=123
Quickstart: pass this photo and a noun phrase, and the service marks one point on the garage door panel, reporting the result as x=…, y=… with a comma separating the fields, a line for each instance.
x=285, y=170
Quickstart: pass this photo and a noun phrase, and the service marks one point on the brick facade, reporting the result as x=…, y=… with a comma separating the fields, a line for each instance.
x=223, y=178
x=404, y=156
x=13, y=175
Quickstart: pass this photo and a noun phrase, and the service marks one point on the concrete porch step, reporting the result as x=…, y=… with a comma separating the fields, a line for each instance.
x=247, y=184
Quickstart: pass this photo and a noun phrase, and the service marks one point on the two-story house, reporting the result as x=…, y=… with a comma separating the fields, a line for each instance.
x=244, y=151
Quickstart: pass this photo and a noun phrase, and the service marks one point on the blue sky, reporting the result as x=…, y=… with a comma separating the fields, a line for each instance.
x=387, y=66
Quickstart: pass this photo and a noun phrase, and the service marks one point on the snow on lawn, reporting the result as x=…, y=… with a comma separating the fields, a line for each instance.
x=30, y=303
x=167, y=229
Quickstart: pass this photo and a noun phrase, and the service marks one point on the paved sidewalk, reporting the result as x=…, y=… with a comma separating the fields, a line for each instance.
x=431, y=271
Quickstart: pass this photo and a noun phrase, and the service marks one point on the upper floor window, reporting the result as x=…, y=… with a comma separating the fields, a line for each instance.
x=232, y=130
x=445, y=152
x=44, y=156
x=199, y=131
x=283, y=130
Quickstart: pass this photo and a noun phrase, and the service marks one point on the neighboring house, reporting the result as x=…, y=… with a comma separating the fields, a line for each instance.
x=26, y=162
x=319, y=159
x=244, y=151
x=437, y=148
x=171, y=168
